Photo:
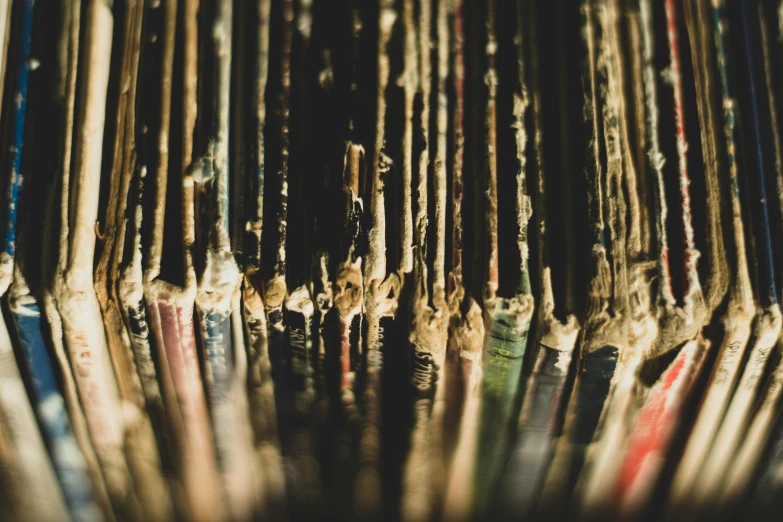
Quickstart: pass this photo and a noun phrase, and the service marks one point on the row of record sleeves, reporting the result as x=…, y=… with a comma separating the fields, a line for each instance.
x=418, y=260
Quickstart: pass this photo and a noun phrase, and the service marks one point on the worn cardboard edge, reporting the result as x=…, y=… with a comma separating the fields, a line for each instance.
x=766, y=330
x=756, y=439
x=714, y=402
x=410, y=81
x=55, y=250
x=162, y=166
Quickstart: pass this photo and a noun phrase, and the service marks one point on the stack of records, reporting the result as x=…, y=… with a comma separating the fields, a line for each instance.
x=417, y=260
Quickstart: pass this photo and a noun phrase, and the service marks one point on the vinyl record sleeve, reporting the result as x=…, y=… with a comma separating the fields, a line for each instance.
x=170, y=305
x=219, y=281
x=34, y=493
x=738, y=318
x=555, y=340
x=142, y=447
x=76, y=303
x=261, y=391
x=605, y=330
x=767, y=324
